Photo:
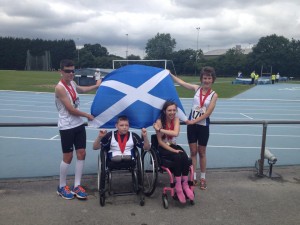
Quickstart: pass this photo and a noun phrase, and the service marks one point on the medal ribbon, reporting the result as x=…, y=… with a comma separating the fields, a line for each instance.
x=121, y=143
x=205, y=97
x=70, y=90
x=170, y=128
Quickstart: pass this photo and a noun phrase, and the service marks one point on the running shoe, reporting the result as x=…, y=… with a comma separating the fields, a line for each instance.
x=65, y=192
x=203, y=184
x=79, y=192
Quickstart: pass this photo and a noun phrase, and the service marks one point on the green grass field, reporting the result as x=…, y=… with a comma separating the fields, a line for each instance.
x=41, y=81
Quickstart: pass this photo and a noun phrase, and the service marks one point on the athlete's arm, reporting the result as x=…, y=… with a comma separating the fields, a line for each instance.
x=184, y=84
x=61, y=93
x=84, y=89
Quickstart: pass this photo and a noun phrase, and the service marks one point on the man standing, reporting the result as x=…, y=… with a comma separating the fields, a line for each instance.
x=71, y=128
x=273, y=77
x=97, y=74
x=277, y=77
x=252, y=76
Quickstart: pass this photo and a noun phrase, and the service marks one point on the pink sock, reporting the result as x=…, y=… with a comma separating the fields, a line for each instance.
x=185, y=186
x=178, y=189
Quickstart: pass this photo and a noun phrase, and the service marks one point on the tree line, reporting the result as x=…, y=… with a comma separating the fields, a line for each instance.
x=271, y=52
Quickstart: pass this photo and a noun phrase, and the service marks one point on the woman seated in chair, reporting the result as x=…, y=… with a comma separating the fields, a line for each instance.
x=167, y=128
x=120, y=142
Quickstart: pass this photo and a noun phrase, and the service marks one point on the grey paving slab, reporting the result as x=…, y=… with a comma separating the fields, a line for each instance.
x=234, y=196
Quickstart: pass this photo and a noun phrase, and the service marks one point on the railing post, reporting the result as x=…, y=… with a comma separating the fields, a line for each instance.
x=262, y=152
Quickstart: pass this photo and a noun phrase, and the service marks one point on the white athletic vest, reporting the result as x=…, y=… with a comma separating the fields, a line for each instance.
x=115, y=148
x=65, y=119
x=197, y=111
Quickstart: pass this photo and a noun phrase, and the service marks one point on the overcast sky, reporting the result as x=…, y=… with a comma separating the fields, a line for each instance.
x=223, y=23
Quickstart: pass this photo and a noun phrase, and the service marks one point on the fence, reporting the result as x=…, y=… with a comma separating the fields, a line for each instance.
x=264, y=124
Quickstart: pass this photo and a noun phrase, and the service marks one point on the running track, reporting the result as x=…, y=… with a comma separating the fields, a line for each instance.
x=36, y=151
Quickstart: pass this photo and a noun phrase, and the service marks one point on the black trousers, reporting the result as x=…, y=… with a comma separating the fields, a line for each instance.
x=181, y=161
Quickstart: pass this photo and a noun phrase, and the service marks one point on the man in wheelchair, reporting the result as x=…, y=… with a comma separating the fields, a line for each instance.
x=167, y=128
x=119, y=143
x=119, y=152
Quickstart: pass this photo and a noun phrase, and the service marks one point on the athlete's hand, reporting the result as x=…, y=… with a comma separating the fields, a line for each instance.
x=144, y=132
x=90, y=117
x=102, y=133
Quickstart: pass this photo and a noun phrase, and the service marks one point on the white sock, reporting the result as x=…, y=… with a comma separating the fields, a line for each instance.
x=202, y=176
x=195, y=176
x=78, y=172
x=63, y=171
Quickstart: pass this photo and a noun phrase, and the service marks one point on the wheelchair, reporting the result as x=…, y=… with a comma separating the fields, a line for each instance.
x=154, y=163
x=106, y=168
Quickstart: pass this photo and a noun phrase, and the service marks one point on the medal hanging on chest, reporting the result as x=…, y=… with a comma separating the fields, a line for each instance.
x=70, y=89
x=202, y=100
x=171, y=127
x=122, y=143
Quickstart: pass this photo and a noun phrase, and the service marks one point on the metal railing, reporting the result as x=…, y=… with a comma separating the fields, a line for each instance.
x=264, y=123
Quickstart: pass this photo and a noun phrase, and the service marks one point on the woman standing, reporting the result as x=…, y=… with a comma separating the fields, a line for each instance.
x=167, y=128
x=204, y=103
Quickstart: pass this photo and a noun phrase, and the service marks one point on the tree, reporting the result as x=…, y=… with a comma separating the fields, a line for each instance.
x=293, y=68
x=97, y=50
x=87, y=59
x=184, y=61
x=160, y=47
x=272, y=51
x=233, y=61
x=133, y=57
x=106, y=61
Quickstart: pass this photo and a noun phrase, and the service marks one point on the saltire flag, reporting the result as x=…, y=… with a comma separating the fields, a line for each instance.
x=137, y=91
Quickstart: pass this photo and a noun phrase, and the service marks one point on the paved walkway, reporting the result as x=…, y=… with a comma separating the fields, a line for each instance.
x=234, y=196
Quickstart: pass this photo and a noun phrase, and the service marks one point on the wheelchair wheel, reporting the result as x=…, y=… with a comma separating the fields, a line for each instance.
x=135, y=182
x=109, y=182
x=102, y=176
x=140, y=178
x=150, y=170
x=142, y=201
x=165, y=201
x=99, y=172
x=102, y=199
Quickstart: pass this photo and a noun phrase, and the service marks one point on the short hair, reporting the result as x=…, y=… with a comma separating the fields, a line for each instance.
x=208, y=71
x=66, y=63
x=122, y=118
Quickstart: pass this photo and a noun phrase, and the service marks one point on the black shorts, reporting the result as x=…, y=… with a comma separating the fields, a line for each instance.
x=198, y=134
x=74, y=137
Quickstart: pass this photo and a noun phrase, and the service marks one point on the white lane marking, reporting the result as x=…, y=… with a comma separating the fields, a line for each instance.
x=246, y=116
x=54, y=137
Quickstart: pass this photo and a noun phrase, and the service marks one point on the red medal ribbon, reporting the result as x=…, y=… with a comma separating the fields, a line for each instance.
x=121, y=143
x=70, y=90
x=205, y=97
x=170, y=128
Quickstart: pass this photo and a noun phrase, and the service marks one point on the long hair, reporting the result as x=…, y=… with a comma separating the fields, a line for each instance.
x=163, y=116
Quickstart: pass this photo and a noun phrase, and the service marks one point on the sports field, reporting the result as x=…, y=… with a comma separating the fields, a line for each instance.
x=36, y=151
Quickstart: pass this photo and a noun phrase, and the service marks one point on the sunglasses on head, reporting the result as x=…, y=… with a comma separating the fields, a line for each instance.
x=69, y=71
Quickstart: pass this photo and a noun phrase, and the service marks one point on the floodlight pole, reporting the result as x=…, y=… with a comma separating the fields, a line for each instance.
x=78, y=54
x=126, y=46
x=196, y=58
x=78, y=58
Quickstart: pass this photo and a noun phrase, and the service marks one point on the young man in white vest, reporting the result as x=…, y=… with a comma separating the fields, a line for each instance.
x=71, y=128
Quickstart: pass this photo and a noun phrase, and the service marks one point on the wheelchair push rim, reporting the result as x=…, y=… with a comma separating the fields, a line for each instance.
x=150, y=171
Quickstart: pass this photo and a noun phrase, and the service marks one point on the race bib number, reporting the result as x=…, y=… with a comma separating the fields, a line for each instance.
x=198, y=111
